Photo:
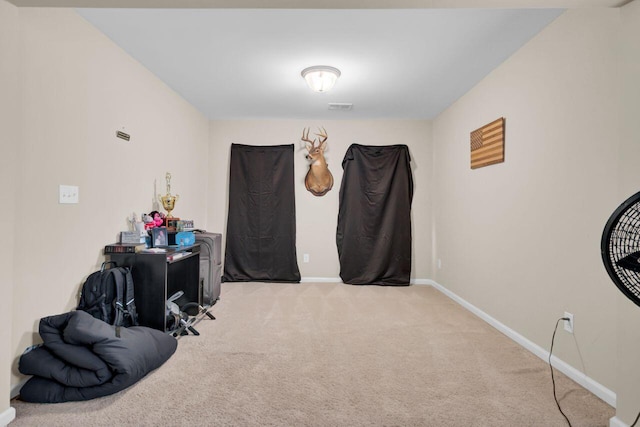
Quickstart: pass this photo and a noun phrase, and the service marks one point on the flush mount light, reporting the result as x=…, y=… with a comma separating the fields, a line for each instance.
x=320, y=78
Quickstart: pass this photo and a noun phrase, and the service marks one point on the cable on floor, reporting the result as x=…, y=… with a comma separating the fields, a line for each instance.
x=553, y=380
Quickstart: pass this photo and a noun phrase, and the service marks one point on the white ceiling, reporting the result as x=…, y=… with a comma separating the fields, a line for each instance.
x=246, y=63
x=242, y=58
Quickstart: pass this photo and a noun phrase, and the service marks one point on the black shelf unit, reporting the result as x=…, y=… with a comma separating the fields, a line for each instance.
x=156, y=277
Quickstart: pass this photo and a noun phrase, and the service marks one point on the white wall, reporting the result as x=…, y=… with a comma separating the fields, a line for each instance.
x=78, y=89
x=10, y=106
x=316, y=217
x=521, y=240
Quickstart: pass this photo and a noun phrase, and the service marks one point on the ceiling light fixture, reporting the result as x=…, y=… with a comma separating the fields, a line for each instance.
x=320, y=78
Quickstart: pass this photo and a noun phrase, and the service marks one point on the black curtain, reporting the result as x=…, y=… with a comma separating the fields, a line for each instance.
x=261, y=223
x=374, y=219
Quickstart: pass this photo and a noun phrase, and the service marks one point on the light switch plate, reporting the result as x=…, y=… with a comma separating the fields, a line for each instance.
x=69, y=194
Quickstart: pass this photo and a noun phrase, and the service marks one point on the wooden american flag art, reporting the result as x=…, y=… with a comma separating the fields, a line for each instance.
x=487, y=144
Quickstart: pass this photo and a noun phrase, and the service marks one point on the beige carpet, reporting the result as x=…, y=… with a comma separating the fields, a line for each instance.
x=337, y=355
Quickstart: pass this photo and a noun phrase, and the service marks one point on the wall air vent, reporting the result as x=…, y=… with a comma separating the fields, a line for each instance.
x=123, y=135
x=341, y=106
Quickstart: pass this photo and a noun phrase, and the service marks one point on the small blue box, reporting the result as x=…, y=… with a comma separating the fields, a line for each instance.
x=185, y=238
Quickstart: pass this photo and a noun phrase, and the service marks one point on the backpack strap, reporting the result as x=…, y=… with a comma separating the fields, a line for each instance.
x=106, y=263
x=129, y=297
x=101, y=301
x=118, y=317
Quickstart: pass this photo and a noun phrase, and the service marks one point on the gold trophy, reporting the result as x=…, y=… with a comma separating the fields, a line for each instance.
x=168, y=201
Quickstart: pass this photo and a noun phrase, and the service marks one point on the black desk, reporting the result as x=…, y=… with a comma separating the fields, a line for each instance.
x=156, y=276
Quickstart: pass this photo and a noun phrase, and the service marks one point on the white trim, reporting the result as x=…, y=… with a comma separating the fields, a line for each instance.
x=615, y=422
x=594, y=387
x=339, y=280
x=7, y=416
x=321, y=280
x=15, y=390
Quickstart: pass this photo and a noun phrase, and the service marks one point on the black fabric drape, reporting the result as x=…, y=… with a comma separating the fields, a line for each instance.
x=374, y=219
x=261, y=224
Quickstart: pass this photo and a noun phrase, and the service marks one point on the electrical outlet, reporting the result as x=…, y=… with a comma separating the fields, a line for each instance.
x=68, y=194
x=305, y=258
x=439, y=263
x=568, y=324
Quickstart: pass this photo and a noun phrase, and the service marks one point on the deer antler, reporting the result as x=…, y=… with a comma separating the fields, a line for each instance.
x=306, y=137
x=322, y=134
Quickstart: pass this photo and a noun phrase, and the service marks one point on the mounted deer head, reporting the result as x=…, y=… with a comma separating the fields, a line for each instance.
x=319, y=179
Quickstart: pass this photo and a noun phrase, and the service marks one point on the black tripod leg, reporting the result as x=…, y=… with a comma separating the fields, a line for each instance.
x=180, y=331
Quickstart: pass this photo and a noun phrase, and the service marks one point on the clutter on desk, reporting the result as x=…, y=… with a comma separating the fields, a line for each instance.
x=154, y=230
x=185, y=225
x=168, y=201
x=124, y=248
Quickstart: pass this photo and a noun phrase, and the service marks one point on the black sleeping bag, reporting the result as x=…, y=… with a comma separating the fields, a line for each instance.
x=82, y=358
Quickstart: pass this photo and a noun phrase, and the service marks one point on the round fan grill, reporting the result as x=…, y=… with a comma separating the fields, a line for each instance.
x=620, y=248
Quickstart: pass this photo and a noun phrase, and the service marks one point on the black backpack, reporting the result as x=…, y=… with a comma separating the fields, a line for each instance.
x=108, y=295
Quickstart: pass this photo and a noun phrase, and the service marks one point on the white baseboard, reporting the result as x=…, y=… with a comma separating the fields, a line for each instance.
x=320, y=280
x=588, y=383
x=7, y=416
x=615, y=422
x=15, y=390
x=339, y=280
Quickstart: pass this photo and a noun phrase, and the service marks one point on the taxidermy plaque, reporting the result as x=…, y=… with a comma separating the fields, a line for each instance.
x=487, y=144
x=319, y=179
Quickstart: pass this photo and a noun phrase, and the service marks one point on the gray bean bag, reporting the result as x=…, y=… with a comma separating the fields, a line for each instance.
x=82, y=358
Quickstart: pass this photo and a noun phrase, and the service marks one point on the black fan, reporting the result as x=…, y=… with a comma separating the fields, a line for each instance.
x=620, y=247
